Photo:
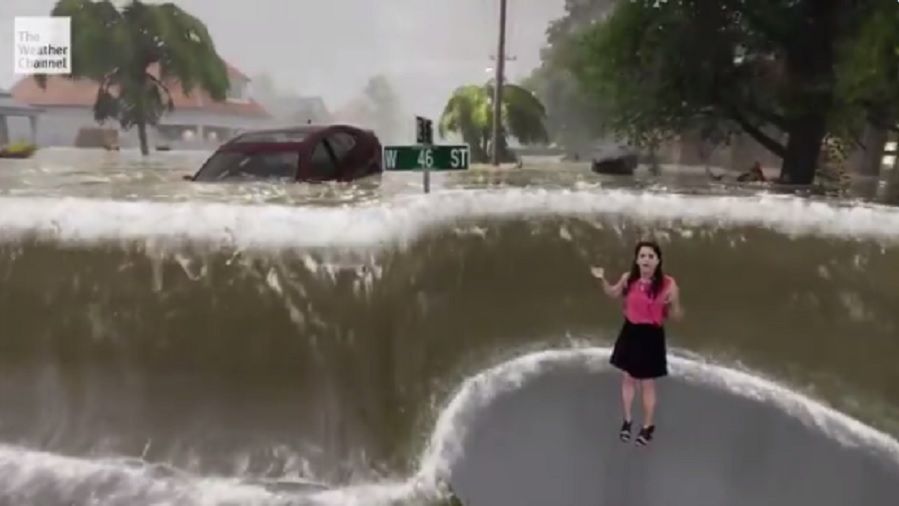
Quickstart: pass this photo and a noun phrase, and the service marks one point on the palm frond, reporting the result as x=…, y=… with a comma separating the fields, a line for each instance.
x=106, y=106
x=97, y=48
x=524, y=115
x=187, y=52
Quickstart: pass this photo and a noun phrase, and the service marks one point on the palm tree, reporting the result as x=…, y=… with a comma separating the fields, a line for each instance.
x=469, y=112
x=134, y=52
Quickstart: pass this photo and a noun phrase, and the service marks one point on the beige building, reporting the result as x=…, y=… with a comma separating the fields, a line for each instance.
x=197, y=121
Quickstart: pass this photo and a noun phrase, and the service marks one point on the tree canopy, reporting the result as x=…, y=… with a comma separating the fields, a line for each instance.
x=469, y=112
x=785, y=72
x=574, y=118
x=120, y=49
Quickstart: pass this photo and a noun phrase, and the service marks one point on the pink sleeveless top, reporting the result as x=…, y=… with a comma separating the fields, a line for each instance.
x=640, y=308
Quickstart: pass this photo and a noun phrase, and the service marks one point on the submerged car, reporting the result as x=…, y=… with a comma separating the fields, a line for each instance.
x=308, y=153
x=614, y=159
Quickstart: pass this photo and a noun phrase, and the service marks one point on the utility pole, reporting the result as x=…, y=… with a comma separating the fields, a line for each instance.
x=498, y=85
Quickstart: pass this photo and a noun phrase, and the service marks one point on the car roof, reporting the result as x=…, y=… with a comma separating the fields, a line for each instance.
x=286, y=135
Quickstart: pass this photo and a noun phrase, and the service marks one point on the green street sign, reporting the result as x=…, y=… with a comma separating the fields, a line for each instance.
x=426, y=157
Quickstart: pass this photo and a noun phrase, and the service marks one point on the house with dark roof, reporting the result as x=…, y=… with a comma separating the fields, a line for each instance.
x=197, y=121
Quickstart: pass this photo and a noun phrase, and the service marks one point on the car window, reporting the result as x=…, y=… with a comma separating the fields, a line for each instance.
x=262, y=165
x=342, y=143
x=321, y=164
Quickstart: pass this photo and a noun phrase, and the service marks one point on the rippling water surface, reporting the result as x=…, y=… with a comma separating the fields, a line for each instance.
x=168, y=342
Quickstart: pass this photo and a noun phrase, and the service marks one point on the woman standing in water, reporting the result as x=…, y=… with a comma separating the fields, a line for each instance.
x=640, y=350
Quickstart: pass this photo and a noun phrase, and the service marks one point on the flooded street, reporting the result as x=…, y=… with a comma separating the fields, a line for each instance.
x=169, y=342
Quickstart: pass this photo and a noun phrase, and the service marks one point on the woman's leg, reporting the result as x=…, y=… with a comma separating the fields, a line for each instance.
x=649, y=401
x=628, y=389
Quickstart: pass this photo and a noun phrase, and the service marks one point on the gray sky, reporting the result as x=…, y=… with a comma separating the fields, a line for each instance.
x=331, y=47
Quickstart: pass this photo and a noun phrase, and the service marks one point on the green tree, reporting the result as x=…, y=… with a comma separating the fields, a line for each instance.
x=469, y=113
x=574, y=119
x=764, y=67
x=868, y=72
x=120, y=48
x=867, y=86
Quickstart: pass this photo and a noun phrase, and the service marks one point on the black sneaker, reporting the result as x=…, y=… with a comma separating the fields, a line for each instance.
x=645, y=435
x=625, y=433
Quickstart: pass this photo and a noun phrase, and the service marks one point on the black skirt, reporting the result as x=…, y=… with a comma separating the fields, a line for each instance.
x=640, y=350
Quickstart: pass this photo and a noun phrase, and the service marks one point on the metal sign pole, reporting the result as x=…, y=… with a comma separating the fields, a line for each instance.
x=424, y=134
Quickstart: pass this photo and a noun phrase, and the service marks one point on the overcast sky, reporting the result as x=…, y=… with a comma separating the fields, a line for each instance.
x=330, y=48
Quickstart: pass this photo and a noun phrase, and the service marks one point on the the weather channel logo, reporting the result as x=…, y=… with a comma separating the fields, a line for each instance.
x=43, y=45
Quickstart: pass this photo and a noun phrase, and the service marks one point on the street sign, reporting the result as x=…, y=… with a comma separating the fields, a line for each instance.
x=424, y=131
x=405, y=158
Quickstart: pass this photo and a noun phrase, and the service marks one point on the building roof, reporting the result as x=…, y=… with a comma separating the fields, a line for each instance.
x=9, y=106
x=67, y=92
x=234, y=72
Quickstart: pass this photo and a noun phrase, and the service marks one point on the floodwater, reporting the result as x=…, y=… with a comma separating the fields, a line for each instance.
x=169, y=342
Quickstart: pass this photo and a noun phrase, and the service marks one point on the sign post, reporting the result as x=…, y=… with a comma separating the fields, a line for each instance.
x=424, y=135
x=425, y=155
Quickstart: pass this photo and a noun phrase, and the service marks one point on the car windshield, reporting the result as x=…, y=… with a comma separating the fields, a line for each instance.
x=226, y=165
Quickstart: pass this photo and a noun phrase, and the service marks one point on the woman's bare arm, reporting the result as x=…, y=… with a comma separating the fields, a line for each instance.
x=617, y=289
x=672, y=298
x=613, y=291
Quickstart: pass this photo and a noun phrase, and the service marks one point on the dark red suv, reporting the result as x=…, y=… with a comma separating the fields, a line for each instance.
x=306, y=153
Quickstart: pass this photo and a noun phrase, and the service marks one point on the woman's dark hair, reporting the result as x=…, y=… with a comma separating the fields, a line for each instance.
x=658, y=277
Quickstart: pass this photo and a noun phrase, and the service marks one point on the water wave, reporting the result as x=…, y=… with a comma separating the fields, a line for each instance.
x=403, y=218
x=448, y=446
x=28, y=476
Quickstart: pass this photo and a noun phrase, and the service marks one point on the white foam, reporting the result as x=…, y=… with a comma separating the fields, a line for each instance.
x=444, y=448
x=22, y=469
x=403, y=218
x=25, y=473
